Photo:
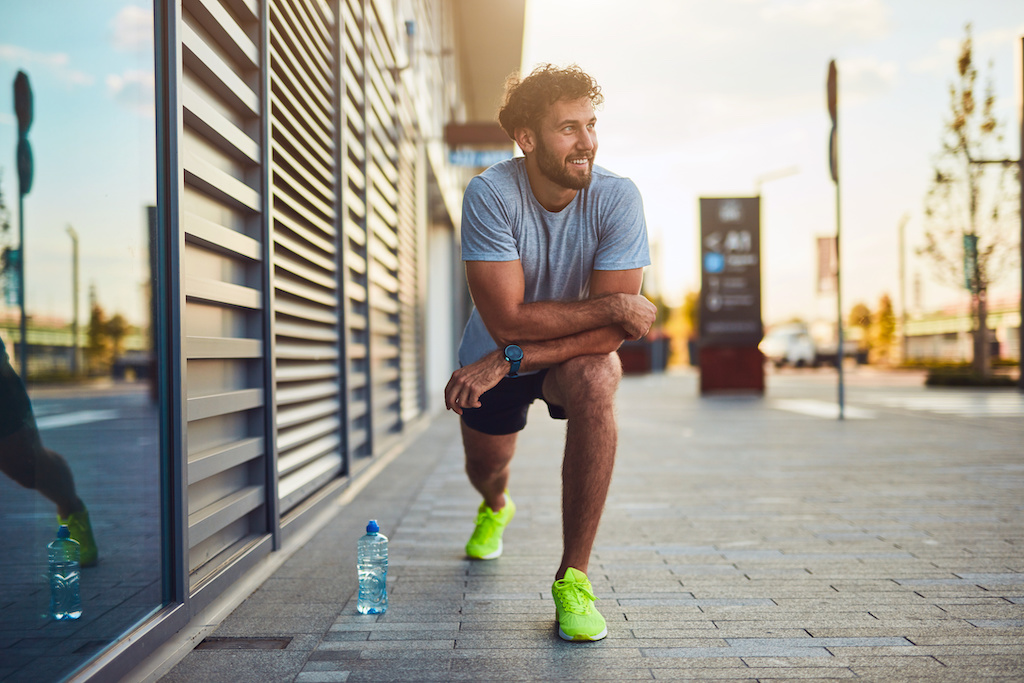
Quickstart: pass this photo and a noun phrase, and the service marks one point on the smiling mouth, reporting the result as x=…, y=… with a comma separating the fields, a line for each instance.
x=581, y=161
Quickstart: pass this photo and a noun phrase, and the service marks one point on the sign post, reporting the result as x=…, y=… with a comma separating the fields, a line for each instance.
x=24, y=111
x=832, y=87
x=730, y=301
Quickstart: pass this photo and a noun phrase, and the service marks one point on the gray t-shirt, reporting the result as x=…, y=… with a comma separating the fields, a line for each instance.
x=602, y=228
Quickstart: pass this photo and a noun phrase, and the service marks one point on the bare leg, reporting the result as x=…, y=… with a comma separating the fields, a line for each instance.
x=488, y=458
x=585, y=387
x=24, y=459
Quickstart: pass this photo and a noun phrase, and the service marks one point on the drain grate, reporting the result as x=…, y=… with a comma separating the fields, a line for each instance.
x=243, y=644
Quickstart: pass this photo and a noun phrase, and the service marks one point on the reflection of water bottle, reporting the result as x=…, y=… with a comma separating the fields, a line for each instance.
x=372, y=552
x=65, y=602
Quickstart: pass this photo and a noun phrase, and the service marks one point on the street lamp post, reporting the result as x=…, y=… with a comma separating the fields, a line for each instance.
x=74, y=301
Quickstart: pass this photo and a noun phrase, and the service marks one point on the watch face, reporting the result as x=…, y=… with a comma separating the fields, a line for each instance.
x=513, y=352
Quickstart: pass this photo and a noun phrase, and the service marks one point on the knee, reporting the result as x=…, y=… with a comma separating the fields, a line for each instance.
x=593, y=377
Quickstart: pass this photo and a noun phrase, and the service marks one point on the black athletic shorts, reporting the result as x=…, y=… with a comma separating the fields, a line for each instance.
x=15, y=409
x=503, y=408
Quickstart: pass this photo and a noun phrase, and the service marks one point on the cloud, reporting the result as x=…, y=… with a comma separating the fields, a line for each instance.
x=134, y=90
x=58, y=63
x=132, y=29
x=865, y=78
x=863, y=18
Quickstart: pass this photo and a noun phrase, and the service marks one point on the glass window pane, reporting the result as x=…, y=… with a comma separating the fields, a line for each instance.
x=77, y=179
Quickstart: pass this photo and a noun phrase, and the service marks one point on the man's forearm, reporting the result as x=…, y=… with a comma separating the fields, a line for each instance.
x=538, y=355
x=553, y=320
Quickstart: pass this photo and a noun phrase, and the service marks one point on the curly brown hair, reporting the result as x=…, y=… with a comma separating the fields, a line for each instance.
x=527, y=99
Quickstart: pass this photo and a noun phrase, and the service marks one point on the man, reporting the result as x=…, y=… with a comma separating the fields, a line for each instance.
x=24, y=459
x=554, y=249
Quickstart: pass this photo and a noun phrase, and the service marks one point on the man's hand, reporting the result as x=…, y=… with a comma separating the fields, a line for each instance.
x=469, y=382
x=636, y=315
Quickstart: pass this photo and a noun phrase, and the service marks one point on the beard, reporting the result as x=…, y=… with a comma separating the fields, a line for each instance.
x=557, y=170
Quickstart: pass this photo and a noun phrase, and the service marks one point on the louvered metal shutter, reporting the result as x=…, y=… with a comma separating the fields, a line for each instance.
x=353, y=222
x=303, y=171
x=382, y=228
x=222, y=270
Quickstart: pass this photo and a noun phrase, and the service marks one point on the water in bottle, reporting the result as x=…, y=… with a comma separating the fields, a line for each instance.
x=373, y=571
x=65, y=601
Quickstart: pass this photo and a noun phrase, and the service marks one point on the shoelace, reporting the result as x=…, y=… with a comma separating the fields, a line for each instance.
x=575, y=596
x=484, y=531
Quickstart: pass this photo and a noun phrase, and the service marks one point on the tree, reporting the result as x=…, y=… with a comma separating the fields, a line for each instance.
x=860, y=319
x=971, y=207
x=8, y=274
x=883, y=330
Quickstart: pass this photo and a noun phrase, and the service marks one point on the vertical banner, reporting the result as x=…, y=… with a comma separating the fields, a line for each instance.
x=828, y=265
x=730, y=292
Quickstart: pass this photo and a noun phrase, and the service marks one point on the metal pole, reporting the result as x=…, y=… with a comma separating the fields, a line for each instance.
x=839, y=306
x=904, y=345
x=1020, y=178
x=23, y=353
x=74, y=301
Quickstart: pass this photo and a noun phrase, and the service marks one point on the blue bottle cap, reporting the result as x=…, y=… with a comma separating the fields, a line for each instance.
x=372, y=527
x=63, y=531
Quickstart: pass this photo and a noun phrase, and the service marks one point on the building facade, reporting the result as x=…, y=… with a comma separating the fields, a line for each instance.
x=265, y=216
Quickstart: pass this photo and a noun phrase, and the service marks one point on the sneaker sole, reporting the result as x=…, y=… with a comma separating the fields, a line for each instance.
x=581, y=638
x=493, y=556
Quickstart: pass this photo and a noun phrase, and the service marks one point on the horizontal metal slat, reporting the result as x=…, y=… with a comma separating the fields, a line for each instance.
x=310, y=352
x=226, y=30
x=310, y=235
x=305, y=372
x=321, y=333
x=217, y=128
x=202, y=407
x=295, y=243
x=307, y=453
x=216, y=73
x=299, y=309
x=305, y=87
x=290, y=392
x=206, y=522
x=303, y=40
x=222, y=347
x=284, y=201
x=206, y=177
x=289, y=266
x=210, y=235
x=215, y=291
x=293, y=415
x=310, y=294
x=299, y=187
x=297, y=487
x=293, y=437
x=313, y=158
x=216, y=460
x=315, y=106
x=314, y=140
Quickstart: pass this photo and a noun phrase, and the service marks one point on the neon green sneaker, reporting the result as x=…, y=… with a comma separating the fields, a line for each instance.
x=485, y=543
x=574, y=608
x=81, y=530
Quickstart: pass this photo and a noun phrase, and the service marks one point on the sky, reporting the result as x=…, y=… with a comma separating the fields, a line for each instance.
x=706, y=98
x=90, y=66
x=702, y=99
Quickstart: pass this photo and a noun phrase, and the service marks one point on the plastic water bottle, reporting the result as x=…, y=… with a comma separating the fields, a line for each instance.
x=65, y=601
x=373, y=571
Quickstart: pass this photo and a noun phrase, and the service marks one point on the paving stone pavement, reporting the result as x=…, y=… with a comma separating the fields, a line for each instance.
x=740, y=543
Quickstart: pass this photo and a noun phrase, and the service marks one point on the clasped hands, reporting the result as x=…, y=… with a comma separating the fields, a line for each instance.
x=632, y=312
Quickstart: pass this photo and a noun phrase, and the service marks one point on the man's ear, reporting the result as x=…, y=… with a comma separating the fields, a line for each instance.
x=526, y=139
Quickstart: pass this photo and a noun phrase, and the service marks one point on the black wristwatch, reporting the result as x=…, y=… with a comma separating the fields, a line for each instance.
x=514, y=355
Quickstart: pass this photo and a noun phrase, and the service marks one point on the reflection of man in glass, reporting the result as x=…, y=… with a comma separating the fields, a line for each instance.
x=24, y=459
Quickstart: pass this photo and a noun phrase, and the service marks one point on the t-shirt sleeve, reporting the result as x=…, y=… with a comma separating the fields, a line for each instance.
x=623, y=232
x=486, y=225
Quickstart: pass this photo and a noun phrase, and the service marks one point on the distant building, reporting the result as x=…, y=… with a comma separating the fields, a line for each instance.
x=946, y=335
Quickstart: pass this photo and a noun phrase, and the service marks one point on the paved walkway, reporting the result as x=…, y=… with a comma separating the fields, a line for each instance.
x=743, y=540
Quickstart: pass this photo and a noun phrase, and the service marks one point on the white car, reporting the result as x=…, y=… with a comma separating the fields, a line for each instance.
x=789, y=345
